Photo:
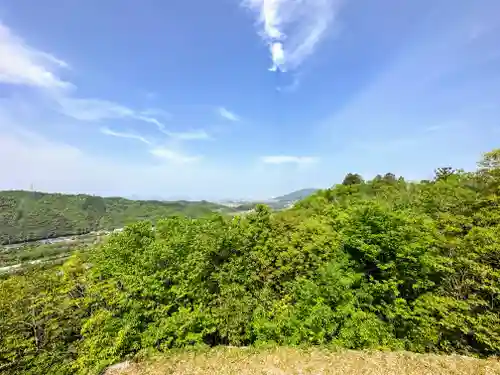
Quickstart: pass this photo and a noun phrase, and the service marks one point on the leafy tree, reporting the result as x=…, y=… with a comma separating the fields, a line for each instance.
x=389, y=178
x=352, y=179
x=41, y=314
x=444, y=173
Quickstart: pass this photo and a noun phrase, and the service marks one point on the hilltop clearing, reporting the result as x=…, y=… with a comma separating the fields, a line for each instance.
x=290, y=361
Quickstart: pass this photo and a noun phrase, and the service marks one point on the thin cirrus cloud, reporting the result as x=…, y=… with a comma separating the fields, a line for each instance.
x=227, y=114
x=160, y=152
x=292, y=29
x=22, y=65
x=107, y=131
x=286, y=159
x=173, y=156
x=97, y=110
x=193, y=135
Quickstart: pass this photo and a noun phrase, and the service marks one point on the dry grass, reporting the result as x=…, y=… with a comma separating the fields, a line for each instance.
x=283, y=361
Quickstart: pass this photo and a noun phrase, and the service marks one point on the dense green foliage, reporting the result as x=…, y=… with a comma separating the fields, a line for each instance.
x=376, y=264
x=28, y=216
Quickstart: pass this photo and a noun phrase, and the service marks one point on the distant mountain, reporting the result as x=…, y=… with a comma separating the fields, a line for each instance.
x=296, y=195
x=28, y=216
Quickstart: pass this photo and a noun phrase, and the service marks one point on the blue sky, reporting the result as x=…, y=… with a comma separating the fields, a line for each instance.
x=247, y=99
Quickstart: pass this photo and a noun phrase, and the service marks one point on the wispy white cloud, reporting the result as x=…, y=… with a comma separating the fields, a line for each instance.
x=92, y=109
x=157, y=113
x=169, y=152
x=286, y=159
x=98, y=109
x=193, y=135
x=95, y=110
x=292, y=29
x=173, y=156
x=227, y=114
x=22, y=65
x=107, y=131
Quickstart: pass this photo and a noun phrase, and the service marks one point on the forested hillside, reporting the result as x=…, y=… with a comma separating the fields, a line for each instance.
x=27, y=216
x=381, y=264
x=296, y=195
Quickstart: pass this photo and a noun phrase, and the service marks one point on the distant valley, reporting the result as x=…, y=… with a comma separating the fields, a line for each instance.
x=277, y=203
x=296, y=195
x=27, y=216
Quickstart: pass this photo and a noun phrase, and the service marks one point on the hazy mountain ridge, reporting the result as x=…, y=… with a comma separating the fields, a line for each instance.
x=297, y=195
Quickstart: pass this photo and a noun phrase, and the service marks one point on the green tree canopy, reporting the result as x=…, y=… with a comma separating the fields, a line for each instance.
x=352, y=179
x=383, y=264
